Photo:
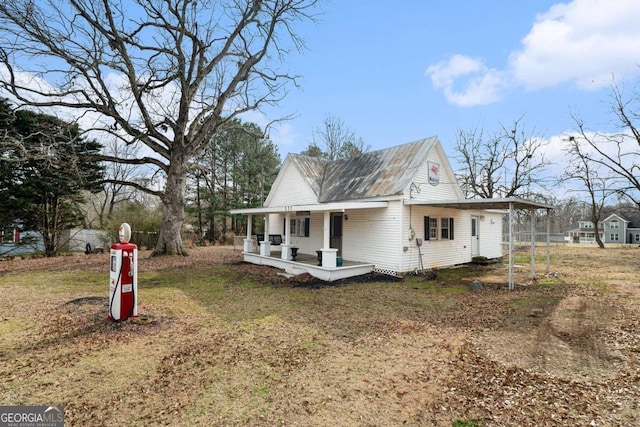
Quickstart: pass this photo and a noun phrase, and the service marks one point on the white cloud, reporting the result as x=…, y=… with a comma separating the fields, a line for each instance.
x=444, y=73
x=482, y=85
x=584, y=42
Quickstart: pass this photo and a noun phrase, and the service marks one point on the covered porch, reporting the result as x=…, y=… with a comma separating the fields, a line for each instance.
x=287, y=255
x=306, y=263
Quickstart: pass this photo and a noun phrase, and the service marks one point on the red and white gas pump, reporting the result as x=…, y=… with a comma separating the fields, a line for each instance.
x=123, y=277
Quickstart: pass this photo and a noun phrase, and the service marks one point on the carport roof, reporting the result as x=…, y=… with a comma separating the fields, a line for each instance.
x=504, y=203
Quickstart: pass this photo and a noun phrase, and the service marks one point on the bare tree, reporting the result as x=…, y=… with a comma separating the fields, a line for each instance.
x=581, y=169
x=159, y=74
x=101, y=205
x=335, y=140
x=619, y=153
x=509, y=163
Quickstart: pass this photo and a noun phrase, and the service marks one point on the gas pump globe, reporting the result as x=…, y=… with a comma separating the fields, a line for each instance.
x=123, y=277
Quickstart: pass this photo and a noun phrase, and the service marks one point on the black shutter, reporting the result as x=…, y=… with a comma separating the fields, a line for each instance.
x=306, y=227
x=450, y=228
x=426, y=228
x=284, y=226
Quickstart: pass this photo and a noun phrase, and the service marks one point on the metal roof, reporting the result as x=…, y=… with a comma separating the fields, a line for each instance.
x=381, y=173
x=504, y=203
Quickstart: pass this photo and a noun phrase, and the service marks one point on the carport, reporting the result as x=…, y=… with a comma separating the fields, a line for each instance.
x=509, y=204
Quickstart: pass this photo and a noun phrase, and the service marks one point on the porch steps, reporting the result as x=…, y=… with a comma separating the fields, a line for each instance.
x=292, y=271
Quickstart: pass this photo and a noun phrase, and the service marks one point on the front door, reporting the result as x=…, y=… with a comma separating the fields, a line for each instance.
x=475, y=236
x=336, y=231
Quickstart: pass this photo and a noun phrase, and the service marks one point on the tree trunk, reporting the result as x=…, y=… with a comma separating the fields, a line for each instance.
x=598, y=239
x=170, y=238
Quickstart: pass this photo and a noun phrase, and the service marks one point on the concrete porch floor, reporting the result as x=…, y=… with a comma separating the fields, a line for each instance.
x=306, y=263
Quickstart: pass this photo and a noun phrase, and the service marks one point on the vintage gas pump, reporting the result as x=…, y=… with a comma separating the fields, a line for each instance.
x=123, y=283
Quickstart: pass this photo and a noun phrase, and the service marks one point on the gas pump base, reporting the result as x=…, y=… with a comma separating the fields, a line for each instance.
x=123, y=281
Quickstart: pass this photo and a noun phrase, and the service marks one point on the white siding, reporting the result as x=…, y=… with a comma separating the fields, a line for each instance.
x=373, y=236
x=305, y=245
x=292, y=189
x=446, y=189
x=436, y=253
x=490, y=233
x=309, y=245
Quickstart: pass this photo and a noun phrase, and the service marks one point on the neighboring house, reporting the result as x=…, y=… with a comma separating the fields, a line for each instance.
x=71, y=240
x=395, y=211
x=617, y=227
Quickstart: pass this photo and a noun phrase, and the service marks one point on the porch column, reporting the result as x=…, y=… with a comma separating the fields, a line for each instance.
x=548, y=240
x=329, y=254
x=286, y=245
x=533, y=243
x=326, y=241
x=265, y=246
x=511, y=284
x=248, y=242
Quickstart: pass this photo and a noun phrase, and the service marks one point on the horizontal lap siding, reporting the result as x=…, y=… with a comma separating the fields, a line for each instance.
x=309, y=245
x=436, y=253
x=373, y=236
x=305, y=245
x=490, y=234
x=292, y=190
x=446, y=189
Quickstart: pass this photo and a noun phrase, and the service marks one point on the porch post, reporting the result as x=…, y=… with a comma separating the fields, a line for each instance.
x=533, y=243
x=286, y=245
x=511, y=286
x=329, y=254
x=548, y=240
x=248, y=242
x=326, y=242
x=265, y=246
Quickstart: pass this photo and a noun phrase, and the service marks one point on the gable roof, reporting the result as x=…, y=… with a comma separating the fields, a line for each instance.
x=381, y=173
x=629, y=214
x=312, y=170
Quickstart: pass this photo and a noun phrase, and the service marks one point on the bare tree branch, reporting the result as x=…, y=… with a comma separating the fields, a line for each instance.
x=165, y=73
x=508, y=163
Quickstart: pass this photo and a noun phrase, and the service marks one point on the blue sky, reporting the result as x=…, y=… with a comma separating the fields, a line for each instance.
x=395, y=72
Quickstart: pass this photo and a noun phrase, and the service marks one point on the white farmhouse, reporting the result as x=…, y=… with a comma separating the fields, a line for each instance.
x=395, y=211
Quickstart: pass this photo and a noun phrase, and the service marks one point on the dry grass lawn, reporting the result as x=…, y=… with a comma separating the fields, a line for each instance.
x=220, y=342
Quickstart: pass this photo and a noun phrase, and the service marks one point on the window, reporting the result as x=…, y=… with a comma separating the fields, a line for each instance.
x=299, y=227
x=614, y=237
x=433, y=232
x=637, y=237
x=614, y=224
x=430, y=228
x=446, y=228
